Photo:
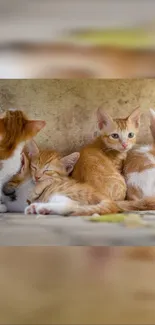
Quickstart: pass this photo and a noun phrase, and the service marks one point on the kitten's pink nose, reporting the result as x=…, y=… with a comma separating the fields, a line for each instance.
x=37, y=178
x=124, y=145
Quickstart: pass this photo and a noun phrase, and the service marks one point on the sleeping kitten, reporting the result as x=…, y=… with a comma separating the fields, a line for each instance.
x=15, y=130
x=139, y=168
x=61, y=194
x=56, y=193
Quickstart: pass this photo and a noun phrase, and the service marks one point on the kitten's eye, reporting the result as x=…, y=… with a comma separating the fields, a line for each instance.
x=47, y=170
x=115, y=135
x=131, y=135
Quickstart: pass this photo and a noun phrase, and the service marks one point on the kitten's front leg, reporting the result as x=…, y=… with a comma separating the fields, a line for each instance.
x=39, y=208
x=64, y=207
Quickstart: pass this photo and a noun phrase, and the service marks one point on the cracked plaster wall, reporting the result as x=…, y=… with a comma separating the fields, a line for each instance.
x=69, y=106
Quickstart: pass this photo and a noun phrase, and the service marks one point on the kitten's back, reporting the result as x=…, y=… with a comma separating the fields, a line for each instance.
x=139, y=172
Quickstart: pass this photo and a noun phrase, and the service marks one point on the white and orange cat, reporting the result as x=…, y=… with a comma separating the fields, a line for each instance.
x=15, y=130
x=139, y=168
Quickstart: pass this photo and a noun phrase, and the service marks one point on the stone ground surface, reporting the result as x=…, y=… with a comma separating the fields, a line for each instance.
x=20, y=230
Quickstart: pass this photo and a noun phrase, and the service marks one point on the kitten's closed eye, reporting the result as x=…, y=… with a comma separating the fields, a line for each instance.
x=33, y=167
x=48, y=169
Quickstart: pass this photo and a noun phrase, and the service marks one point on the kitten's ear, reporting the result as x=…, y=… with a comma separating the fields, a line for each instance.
x=33, y=127
x=70, y=161
x=152, y=114
x=152, y=122
x=31, y=148
x=2, y=126
x=25, y=164
x=104, y=120
x=2, y=115
x=134, y=117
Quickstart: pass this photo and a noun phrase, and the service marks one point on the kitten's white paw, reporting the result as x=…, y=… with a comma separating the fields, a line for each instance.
x=31, y=209
x=38, y=208
x=43, y=209
x=3, y=208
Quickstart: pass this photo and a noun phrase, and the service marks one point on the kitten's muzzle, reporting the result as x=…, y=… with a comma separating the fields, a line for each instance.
x=124, y=145
x=8, y=190
x=37, y=178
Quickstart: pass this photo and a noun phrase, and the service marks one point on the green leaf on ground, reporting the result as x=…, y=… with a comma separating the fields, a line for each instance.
x=117, y=217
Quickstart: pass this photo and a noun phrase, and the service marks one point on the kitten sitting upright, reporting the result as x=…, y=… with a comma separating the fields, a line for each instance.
x=100, y=163
x=15, y=130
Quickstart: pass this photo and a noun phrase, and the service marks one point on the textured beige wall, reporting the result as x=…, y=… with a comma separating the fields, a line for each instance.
x=69, y=106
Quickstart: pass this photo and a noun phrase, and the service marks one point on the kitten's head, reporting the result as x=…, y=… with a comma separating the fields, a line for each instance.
x=119, y=134
x=15, y=129
x=46, y=164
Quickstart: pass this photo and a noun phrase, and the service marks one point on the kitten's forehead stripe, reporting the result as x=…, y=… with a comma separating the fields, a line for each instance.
x=47, y=157
x=122, y=124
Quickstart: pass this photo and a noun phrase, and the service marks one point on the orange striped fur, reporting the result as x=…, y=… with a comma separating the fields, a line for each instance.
x=15, y=128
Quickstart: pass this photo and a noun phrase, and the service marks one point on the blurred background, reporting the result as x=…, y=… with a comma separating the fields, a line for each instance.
x=77, y=285
x=77, y=39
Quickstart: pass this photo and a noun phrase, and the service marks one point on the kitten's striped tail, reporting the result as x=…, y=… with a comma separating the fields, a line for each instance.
x=104, y=207
x=137, y=205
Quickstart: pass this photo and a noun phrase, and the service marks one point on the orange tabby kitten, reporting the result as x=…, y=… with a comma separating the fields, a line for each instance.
x=62, y=194
x=56, y=193
x=15, y=130
x=100, y=163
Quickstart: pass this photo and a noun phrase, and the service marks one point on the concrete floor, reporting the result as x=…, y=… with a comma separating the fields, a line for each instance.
x=20, y=230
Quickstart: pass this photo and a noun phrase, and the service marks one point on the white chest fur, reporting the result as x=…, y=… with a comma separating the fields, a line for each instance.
x=10, y=166
x=145, y=181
